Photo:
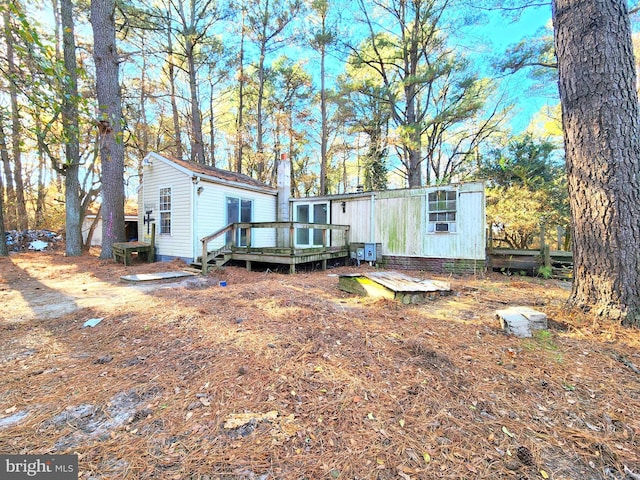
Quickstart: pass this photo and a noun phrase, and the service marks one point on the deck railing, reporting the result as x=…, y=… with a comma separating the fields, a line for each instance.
x=288, y=249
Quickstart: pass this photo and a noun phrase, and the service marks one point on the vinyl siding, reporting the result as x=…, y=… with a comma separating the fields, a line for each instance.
x=161, y=175
x=211, y=207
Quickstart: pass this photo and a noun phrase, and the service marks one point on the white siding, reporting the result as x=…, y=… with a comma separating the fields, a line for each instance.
x=211, y=205
x=401, y=222
x=160, y=175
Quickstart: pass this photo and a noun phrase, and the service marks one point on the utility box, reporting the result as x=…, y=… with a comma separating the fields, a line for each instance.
x=369, y=252
x=360, y=254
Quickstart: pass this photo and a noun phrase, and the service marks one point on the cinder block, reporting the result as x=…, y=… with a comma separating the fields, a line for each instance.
x=521, y=321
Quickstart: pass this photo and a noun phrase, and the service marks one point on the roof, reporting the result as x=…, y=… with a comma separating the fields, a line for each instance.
x=218, y=173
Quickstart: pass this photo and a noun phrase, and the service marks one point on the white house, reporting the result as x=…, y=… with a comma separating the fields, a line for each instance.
x=428, y=228
x=188, y=201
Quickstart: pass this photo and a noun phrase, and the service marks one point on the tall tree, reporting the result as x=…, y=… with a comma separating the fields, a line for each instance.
x=106, y=60
x=16, y=125
x=266, y=21
x=195, y=18
x=322, y=38
x=435, y=99
x=71, y=128
x=600, y=115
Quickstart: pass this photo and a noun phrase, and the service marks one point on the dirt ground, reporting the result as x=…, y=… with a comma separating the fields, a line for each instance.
x=279, y=376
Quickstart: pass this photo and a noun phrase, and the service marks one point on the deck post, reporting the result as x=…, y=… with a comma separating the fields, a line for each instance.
x=248, y=265
x=205, y=264
x=151, y=256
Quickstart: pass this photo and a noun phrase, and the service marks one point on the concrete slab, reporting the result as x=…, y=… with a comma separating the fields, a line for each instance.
x=155, y=277
x=521, y=321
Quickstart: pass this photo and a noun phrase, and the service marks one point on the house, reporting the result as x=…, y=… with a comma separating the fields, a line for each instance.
x=130, y=225
x=188, y=201
x=429, y=228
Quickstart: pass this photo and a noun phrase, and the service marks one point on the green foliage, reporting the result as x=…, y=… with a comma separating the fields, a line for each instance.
x=527, y=189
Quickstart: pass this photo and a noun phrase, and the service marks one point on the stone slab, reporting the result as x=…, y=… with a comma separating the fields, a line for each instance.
x=521, y=321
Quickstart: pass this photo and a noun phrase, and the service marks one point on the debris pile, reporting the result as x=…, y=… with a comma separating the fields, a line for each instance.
x=38, y=240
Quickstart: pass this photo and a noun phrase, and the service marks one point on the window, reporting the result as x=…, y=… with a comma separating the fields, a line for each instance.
x=442, y=211
x=165, y=211
x=314, y=213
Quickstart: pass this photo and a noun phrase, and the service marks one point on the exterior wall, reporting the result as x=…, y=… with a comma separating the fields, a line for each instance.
x=401, y=220
x=199, y=208
x=211, y=208
x=177, y=244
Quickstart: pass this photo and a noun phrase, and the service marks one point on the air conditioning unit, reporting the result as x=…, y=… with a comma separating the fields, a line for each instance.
x=442, y=227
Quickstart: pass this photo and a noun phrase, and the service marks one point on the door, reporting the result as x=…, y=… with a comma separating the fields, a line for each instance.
x=306, y=213
x=239, y=210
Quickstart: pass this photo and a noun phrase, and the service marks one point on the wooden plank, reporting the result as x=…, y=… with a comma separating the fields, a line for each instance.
x=360, y=285
x=392, y=285
x=399, y=282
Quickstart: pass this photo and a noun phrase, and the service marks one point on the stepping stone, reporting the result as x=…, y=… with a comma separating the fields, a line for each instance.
x=521, y=321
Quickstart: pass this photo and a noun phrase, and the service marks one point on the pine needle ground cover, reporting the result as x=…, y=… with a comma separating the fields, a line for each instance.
x=278, y=376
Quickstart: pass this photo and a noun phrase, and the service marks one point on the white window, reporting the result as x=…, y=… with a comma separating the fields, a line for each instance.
x=311, y=213
x=442, y=211
x=165, y=211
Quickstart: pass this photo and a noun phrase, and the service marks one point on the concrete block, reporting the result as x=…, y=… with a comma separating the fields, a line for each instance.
x=521, y=321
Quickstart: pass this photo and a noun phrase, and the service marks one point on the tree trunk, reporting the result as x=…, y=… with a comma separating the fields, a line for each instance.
x=105, y=56
x=10, y=207
x=259, y=115
x=70, y=125
x=240, y=120
x=16, y=127
x=197, y=145
x=174, y=103
x=597, y=84
x=323, y=117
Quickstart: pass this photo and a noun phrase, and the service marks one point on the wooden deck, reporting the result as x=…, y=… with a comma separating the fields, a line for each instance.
x=560, y=262
x=288, y=254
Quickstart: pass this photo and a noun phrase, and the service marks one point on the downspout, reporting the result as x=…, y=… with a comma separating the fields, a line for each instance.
x=194, y=217
x=372, y=222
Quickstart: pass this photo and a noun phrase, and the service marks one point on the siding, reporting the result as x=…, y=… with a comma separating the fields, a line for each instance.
x=401, y=221
x=159, y=175
x=211, y=207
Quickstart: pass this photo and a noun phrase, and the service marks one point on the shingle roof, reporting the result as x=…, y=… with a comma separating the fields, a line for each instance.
x=218, y=173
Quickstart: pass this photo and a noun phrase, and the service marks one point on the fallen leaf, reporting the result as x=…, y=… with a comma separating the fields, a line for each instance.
x=11, y=410
x=401, y=422
x=507, y=432
x=370, y=416
x=544, y=474
x=426, y=457
x=189, y=415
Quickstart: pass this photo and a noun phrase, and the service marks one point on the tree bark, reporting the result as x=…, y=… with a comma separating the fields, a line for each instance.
x=597, y=84
x=16, y=127
x=172, y=84
x=71, y=127
x=10, y=192
x=105, y=57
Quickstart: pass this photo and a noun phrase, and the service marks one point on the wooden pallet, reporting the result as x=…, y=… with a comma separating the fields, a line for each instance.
x=393, y=285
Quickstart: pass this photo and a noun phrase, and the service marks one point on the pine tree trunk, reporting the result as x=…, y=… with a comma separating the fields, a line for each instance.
x=10, y=207
x=71, y=128
x=197, y=145
x=105, y=56
x=16, y=127
x=597, y=85
x=172, y=86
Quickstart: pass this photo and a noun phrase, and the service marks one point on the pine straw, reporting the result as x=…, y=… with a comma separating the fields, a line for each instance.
x=364, y=388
